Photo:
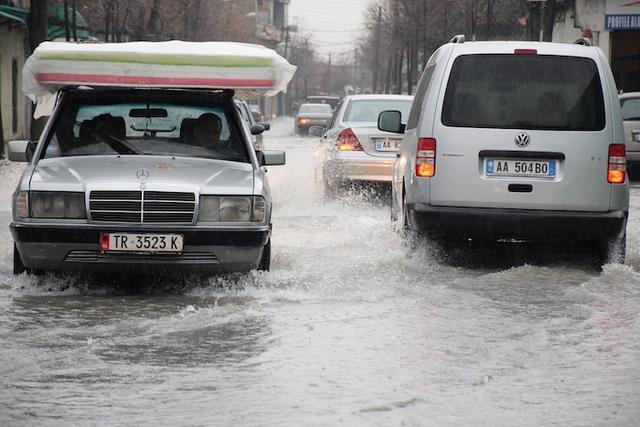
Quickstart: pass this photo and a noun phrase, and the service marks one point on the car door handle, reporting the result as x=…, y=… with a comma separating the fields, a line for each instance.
x=398, y=155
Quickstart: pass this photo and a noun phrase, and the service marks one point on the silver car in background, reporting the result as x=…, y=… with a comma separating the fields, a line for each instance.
x=256, y=128
x=352, y=148
x=142, y=180
x=630, y=103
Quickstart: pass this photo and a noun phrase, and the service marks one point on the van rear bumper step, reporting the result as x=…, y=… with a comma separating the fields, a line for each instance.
x=530, y=225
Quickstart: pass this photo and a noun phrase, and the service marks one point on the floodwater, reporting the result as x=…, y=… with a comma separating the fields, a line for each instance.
x=349, y=327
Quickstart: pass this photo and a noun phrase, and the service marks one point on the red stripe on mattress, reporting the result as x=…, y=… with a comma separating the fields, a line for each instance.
x=81, y=79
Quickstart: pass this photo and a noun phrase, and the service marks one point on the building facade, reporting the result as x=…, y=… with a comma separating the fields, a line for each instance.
x=612, y=25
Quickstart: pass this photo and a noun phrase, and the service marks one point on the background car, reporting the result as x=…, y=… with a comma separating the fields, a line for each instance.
x=353, y=148
x=514, y=143
x=332, y=100
x=630, y=103
x=245, y=111
x=257, y=113
x=312, y=115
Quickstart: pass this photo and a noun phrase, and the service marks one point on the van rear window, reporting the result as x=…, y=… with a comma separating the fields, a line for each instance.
x=524, y=92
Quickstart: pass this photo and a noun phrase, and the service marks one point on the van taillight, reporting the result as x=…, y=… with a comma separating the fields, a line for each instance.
x=348, y=141
x=616, y=173
x=426, y=158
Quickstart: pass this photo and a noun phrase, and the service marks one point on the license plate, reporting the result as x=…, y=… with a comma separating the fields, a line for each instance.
x=387, y=144
x=128, y=242
x=529, y=168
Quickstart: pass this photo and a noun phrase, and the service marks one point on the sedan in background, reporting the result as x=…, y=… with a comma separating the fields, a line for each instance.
x=246, y=113
x=630, y=103
x=312, y=115
x=353, y=149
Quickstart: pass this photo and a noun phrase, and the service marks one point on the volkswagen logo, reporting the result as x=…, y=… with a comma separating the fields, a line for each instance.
x=522, y=139
x=142, y=174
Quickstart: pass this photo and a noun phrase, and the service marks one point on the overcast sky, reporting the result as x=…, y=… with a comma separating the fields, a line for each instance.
x=334, y=25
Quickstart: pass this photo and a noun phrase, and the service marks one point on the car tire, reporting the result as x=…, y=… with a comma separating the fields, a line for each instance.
x=18, y=266
x=265, y=259
x=610, y=251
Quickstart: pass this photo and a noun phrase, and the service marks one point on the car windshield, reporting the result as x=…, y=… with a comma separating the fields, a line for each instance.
x=631, y=109
x=368, y=110
x=524, y=92
x=147, y=123
x=315, y=109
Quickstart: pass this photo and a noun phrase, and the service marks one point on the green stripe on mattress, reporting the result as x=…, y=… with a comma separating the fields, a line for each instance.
x=142, y=58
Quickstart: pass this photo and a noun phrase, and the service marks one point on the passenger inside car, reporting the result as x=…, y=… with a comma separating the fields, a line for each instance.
x=207, y=131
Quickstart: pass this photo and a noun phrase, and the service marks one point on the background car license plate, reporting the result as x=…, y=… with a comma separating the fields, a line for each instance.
x=532, y=168
x=387, y=144
x=127, y=242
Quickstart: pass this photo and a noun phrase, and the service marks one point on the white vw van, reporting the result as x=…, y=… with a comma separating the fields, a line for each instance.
x=514, y=142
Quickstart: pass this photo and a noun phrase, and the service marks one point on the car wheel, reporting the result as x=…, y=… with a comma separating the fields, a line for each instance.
x=404, y=229
x=265, y=260
x=611, y=251
x=18, y=266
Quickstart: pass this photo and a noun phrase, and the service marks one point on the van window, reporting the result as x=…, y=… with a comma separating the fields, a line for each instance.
x=416, y=108
x=524, y=92
x=631, y=109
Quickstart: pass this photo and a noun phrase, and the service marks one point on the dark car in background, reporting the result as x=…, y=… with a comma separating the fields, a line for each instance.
x=312, y=115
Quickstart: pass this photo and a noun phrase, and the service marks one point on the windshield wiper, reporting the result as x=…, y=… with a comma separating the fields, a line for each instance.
x=120, y=146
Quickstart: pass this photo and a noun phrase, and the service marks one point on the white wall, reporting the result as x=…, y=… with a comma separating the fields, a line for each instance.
x=12, y=46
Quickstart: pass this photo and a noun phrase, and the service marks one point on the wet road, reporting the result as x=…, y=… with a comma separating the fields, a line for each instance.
x=348, y=328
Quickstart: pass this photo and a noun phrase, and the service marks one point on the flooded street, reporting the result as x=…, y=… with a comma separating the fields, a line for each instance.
x=349, y=327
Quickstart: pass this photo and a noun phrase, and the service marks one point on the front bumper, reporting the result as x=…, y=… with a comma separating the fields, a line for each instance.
x=206, y=250
x=359, y=166
x=459, y=223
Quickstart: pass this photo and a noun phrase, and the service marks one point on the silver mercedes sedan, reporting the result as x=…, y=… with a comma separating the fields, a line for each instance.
x=352, y=149
x=143, y=180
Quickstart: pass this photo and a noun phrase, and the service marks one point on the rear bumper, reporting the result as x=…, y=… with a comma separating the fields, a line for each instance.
x=359, y=166
x=456, y=223
x=62, y=248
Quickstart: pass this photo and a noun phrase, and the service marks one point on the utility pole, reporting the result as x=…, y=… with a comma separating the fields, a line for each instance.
x=329, y=77
x=376, y=58
x=355, y=71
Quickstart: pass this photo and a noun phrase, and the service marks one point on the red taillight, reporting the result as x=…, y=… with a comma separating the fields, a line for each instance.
x=525, y=52
x=104, y=242
x=348, y=141
x=616, y=173
x=426, y=158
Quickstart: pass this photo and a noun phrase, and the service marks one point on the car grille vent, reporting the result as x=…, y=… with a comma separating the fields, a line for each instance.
x=154, y=207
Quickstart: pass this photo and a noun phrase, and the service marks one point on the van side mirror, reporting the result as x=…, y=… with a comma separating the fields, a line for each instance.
x=271, y=158
x=22, y=150
x=391, y=121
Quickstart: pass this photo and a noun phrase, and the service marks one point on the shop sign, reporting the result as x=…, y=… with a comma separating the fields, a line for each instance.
x=622, y=15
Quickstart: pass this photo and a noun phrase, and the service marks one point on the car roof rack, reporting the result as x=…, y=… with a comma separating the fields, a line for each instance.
x=583, y=41
x=459, y=39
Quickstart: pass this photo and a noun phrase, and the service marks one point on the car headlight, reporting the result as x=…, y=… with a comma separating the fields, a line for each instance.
x=232, y=208
x=57, y=204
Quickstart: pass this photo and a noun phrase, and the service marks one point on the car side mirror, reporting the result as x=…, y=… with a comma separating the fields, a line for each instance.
x=257, y=129
x=22, y=150
x=316, y=131
x=271, y=158
x=266, y=126
x=391, y=121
